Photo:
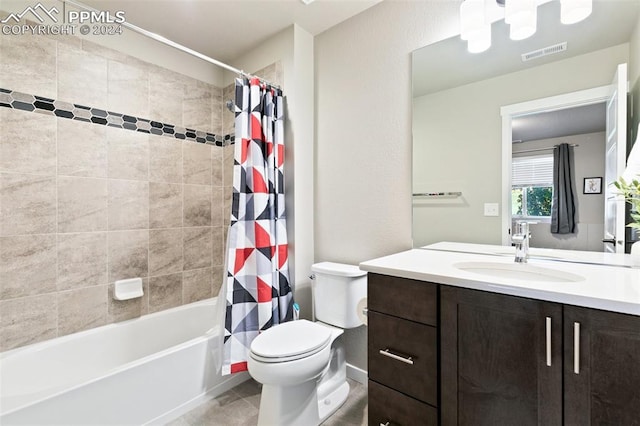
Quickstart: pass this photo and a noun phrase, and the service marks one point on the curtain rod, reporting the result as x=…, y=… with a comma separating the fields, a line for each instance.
x=540, y=149
x=175, y=45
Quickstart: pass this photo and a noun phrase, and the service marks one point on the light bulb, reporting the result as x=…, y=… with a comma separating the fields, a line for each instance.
x=523, y=25
x=572, y=11
x=518, y=10
x=480, y=41
x=472, y=14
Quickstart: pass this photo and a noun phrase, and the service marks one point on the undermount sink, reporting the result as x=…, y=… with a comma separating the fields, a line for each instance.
x=518, y=271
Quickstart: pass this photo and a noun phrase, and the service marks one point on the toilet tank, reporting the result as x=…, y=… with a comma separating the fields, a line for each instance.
x=336, y=292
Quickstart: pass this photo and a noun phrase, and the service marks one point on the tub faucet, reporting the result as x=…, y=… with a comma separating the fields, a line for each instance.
x=521, y=241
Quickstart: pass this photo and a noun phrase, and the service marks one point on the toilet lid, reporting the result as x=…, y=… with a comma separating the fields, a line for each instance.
x=291, y=339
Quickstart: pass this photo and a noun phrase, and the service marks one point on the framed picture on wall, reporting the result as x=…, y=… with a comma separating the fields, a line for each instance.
x=592, y=185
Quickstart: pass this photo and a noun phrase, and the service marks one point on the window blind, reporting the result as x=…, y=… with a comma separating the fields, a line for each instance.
x=532, y=171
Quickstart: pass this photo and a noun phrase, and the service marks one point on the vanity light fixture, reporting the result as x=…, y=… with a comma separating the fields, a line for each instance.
x=474, y=26
x=521, y=15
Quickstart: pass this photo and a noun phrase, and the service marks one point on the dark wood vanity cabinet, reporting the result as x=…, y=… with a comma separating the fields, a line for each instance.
x=453, y=356
x=501, y=359
x=402, y=351
x=512, y=360
x=601, y=384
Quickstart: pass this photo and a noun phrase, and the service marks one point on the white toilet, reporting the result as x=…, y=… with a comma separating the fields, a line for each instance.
x=301, y=364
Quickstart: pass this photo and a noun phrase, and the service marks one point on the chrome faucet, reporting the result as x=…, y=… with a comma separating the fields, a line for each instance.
x=521, y=241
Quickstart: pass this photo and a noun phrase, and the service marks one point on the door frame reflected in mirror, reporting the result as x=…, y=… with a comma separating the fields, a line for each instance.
x=509, y=112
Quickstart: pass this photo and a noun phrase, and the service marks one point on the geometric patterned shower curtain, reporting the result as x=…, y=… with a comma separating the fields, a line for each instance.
x=258, y=293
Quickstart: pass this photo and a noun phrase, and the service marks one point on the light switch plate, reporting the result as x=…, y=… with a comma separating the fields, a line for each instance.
x=491, y=209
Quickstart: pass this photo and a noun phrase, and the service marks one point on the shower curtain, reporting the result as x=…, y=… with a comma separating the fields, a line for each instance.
x=258, y=294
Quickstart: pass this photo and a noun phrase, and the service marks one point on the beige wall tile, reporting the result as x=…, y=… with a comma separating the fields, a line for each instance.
x=82, y=77
x=128, y=254
x=196, y=89
x=228, y=117
x=165, y=251
x=82, y=204
x=165, y=292
x=27, y=265
x=197, y=205
x=128, y=204
x=27, y=204
x=20, y=150
x=120, y=310
x=128, y=91
x=196, y=285
x=165, y=159
x=217, y=104
x=82, y=260
x=197, y=114
x=165, y=205
x=81, y=309
x=218, y=274
x=226, y=205
x=197, y=248
x=103, y=52
x=28, y=65
x=217, y=166
x=82, y=149
x=217, y=206
x=219, y=245
x=196, y=163
x=166, y=91
x=227, y=165
x=128, y=154
x=28, y=320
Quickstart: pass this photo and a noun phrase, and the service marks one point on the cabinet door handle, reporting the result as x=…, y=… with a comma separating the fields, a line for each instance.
x=387, y=352
x=576, y=347
x=548, y=341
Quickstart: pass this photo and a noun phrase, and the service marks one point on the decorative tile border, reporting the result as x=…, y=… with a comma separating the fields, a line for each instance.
x=32, y=103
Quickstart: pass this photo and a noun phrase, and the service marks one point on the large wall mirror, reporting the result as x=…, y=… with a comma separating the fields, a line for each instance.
x=458, y=135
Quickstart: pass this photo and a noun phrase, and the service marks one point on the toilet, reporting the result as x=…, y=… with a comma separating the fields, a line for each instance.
x=301, y=364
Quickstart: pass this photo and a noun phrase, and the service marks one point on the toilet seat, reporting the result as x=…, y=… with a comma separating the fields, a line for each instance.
x=290, y=341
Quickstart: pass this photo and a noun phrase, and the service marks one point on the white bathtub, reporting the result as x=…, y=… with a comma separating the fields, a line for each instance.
x=147, y=370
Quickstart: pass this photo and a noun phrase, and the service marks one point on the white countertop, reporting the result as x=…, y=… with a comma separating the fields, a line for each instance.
x=611, y=288
x=595, y=257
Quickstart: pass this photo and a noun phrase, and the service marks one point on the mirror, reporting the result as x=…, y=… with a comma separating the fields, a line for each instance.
x=457, y=122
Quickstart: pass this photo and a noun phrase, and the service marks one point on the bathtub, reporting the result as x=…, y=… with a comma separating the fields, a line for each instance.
x=148, y=370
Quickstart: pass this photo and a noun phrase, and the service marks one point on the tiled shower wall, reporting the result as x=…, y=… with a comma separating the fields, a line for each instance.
x=83, y=204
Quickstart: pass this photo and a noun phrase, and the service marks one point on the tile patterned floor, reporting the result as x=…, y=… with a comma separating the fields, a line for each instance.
x=239, y=407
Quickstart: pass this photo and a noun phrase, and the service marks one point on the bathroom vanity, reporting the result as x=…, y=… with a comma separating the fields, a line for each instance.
x=460, y=338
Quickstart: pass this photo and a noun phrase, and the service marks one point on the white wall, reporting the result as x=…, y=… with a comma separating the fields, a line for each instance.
x=458, y=142
x=363, y=133
x=294, y=48
x=589, y=162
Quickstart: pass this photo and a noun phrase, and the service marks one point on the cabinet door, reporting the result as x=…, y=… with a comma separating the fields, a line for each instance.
x=495, y=352
x=602, y=367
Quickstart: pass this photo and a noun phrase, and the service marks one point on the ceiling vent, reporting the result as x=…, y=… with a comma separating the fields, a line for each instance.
x=549, y=50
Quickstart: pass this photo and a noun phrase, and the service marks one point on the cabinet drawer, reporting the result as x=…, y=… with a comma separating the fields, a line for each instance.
x=387, y=405
x=401, y=338
x=404, y=298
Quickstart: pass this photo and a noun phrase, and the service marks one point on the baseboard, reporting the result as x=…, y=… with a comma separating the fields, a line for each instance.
x=357, y=374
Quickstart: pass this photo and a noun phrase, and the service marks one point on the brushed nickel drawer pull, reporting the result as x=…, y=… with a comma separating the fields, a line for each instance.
x=548, y=341
x=385, y=424
x=387, y=352
x=576, y=347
